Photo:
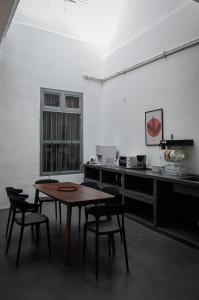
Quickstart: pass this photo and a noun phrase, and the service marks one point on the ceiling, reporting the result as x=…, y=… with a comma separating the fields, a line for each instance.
x=94, y=22
x=107, y=23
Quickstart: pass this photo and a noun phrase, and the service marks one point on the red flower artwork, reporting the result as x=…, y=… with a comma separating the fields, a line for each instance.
x=153, y=127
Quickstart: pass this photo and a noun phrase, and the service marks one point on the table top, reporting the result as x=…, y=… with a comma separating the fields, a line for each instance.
x=82, y=194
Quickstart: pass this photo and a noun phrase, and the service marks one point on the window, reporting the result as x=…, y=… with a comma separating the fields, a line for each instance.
x=61, y=132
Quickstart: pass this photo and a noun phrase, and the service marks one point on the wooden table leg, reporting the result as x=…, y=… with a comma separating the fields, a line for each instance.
x=67, y=236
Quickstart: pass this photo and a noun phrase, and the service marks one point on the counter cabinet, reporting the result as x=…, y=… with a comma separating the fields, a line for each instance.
x=162, y=202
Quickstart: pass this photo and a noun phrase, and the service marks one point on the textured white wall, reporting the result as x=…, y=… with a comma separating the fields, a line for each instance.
x=30, y=59
x=171, y=84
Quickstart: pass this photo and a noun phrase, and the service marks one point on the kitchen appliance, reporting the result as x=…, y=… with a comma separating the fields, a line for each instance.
x=106, y=155
x=127, y=161
x=141, y=162
x=93, y=160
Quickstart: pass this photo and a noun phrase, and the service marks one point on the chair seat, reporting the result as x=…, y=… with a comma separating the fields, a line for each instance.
x=46, y=199
x=31, y=219
x=105, y=226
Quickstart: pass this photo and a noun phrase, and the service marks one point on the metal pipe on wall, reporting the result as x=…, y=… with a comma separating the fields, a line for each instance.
x=164, y=54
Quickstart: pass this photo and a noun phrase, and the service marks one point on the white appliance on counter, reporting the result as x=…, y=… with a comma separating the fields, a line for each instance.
x=106, y=155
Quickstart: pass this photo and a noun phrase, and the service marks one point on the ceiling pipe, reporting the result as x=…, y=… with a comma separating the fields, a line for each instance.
x=93, y=78
x=162, y=55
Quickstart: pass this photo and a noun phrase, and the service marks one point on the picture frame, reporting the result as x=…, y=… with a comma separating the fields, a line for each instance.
x=153, y=127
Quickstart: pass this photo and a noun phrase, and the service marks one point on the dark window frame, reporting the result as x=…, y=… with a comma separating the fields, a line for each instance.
x=65, y=110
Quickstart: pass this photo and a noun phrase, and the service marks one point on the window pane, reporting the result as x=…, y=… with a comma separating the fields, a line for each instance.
x=47, y=126
x=72, y=102
x=61, y=141
x=51, y=99
x=47, y=158
x=61, y=157
x=71, y=157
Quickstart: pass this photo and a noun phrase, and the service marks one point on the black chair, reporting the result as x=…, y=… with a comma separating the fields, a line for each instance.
x=114, y=191
x=105, y=227
x=33, y=218
x=91, y=184
x=45, y=199
x=12, y=191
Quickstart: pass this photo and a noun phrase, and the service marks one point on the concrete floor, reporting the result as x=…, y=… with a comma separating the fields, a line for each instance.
x=160, y=268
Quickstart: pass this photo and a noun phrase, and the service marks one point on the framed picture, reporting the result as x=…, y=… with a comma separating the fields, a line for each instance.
x=153, y=127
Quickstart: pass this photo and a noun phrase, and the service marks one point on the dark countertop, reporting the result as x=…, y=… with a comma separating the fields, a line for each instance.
x=148, y=173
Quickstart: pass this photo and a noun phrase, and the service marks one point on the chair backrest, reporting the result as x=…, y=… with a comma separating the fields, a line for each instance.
x=114, y=191
x=15, y=192
x=43, y=181
x=110, y=190
x=91, y=184
x=18, y=203
x=12, y=191
x=106, y=210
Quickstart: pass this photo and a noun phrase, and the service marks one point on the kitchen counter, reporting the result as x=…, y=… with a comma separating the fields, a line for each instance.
x=164, y=202
x=148, y=173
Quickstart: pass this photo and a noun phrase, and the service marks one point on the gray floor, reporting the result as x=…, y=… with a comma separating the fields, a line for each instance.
x=160, y=268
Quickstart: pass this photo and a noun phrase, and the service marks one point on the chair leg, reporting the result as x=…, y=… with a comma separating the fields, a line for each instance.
x=10, y=233
x=56, y=210
x=109, y=245
x=119, y=224
x=125, y=250
x=32, y=229
x=48, y=236
x=19, y=247
x=40, y=207
x=8, y=222
x=60, y=213
x=80, y=208
x=37, y=235
x=84, y=244
x=96, y=255
x=112, y=243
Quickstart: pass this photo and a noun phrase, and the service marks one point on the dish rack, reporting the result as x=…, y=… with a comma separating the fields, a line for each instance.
x=175, y=164
x=179, y=168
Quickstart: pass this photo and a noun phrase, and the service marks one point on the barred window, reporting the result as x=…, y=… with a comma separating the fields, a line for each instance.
x=61, y=132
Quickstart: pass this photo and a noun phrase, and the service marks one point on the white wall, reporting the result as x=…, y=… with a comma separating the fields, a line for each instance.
x=171, y=84
x=30, y=59
x=137, y=17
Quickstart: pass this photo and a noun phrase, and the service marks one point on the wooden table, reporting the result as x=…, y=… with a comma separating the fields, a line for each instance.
x=82, y=196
